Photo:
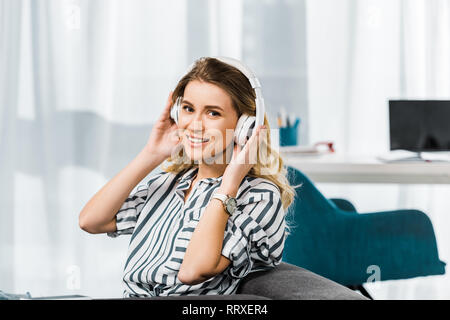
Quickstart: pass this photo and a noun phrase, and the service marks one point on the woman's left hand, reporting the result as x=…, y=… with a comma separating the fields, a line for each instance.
x=242, y=161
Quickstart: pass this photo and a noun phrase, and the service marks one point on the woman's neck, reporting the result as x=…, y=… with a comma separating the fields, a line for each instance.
x=210, y=170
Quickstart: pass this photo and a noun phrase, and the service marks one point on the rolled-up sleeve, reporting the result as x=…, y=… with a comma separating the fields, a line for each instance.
x=254, y=235
x=128, y=214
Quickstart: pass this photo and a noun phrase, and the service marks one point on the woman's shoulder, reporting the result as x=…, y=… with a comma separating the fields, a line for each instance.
x=158, y=177
x=262, y=192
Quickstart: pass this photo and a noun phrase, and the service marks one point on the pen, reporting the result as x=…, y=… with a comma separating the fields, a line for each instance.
x=283, y=116
x=292, y=119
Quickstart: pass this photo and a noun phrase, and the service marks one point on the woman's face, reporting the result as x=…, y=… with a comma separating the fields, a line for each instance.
x=207, y=120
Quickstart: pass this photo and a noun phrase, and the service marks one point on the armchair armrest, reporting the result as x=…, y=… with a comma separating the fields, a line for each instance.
x=289, y=282
x=343, y=204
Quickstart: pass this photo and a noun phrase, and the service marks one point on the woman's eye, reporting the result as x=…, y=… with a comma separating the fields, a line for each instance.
x=187, y=108
x=214, y=113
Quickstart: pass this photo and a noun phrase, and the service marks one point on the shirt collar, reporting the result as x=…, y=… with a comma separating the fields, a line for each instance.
x=189, y=175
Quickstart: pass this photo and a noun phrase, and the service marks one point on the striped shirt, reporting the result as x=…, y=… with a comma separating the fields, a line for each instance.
x=161, y=224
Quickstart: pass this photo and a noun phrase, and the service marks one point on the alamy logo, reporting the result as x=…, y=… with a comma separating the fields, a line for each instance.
x=375, y=274
x=73, y=281
x=72, y=16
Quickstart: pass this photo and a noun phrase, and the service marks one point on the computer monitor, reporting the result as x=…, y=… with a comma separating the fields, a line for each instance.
x=419, y=125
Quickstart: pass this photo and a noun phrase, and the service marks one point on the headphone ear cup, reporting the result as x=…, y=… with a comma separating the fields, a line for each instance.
x=244, y=129
x=175, y=109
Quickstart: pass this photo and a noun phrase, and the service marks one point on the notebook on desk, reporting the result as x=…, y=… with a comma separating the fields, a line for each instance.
x=319, y=148
x=299, y=149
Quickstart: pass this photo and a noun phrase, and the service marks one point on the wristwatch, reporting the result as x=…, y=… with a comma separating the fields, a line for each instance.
x=229, y=203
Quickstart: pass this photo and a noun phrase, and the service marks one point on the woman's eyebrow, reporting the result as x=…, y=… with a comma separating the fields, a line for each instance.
x=208, y=106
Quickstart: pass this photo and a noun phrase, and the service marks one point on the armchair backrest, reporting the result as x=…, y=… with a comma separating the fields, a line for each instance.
x=310, y=217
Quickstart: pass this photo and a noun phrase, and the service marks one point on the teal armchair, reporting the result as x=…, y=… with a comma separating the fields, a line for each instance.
x=329, y=237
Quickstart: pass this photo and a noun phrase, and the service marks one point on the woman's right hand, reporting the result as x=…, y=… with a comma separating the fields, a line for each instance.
x=164, y=136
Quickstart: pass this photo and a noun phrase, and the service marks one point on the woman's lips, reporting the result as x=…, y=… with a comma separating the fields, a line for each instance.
x=196, y=142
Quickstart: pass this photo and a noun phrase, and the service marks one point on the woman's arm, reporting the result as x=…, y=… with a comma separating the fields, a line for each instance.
x=203, y=258
x=99, y=214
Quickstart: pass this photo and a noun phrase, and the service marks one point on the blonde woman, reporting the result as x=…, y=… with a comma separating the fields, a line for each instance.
x=184, y=239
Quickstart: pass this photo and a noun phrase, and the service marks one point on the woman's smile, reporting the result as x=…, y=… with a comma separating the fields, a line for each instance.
x=196, y=142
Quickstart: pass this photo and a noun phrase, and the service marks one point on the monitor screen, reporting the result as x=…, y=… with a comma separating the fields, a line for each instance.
x=419, y=125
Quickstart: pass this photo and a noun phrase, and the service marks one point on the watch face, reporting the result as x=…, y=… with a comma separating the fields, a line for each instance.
x=231, y=205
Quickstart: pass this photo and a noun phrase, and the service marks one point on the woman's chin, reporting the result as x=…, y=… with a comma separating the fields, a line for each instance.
x=206, y=153
x=195, y=154
x=202, y=156
x=196, y=157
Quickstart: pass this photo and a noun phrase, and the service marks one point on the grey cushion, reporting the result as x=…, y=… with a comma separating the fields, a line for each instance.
x=289, y=282
x=284, y=282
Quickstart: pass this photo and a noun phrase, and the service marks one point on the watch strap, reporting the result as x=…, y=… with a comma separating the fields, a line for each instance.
x=220, y=196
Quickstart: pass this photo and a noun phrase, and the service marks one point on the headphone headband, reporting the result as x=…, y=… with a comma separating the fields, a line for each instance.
x=243, y=68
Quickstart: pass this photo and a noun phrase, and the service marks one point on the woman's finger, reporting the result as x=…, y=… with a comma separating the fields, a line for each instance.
x=255, y=136
x=250, y=150
x=166, y=112
x=235, y=152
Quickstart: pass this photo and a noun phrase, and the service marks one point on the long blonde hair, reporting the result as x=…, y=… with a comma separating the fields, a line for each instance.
x=237, y=85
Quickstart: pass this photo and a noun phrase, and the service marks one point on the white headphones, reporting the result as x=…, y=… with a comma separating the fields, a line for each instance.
x=246, y=123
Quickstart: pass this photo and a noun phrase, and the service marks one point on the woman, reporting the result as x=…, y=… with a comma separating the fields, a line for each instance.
x=184, y=240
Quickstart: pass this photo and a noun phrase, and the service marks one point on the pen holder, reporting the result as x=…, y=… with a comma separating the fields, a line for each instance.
x=288, y=136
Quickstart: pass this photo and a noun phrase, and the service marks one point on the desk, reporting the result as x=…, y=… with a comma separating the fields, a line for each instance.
x=336, y=168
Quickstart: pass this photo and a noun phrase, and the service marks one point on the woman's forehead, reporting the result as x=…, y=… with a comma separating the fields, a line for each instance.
x=202, y=94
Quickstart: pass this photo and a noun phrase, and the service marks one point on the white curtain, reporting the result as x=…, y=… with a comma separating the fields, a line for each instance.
x=360, y=54
x=81, y=82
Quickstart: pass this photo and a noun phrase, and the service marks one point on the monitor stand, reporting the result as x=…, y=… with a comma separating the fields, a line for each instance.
x=415, y=158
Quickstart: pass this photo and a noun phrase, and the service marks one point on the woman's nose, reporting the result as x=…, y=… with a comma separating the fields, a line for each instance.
x=188, y=120
x=196, y=125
